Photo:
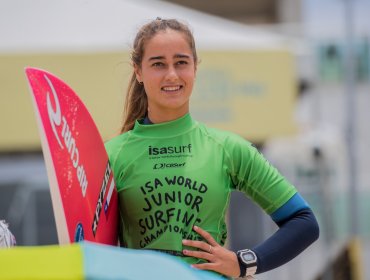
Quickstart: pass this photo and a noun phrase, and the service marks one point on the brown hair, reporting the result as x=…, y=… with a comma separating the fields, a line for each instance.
x=136, y=103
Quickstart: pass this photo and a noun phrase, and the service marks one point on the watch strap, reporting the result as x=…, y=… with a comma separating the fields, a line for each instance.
x=247, y=269
x=242, y=266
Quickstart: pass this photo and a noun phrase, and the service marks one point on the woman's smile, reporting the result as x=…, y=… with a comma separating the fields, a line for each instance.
x=171, y=89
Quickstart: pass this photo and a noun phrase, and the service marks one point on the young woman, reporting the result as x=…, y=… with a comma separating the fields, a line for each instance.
x=174, y=175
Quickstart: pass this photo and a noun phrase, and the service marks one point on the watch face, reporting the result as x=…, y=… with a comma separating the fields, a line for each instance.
x=248, y=257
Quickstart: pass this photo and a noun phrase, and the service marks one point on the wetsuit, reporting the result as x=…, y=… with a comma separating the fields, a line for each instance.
x=174, y=175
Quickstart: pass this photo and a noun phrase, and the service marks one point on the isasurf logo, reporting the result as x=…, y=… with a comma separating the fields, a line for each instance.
x=168, y=165
x=181, y=149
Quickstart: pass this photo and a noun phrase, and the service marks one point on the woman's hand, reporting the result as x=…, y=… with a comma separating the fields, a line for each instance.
x=219, y=259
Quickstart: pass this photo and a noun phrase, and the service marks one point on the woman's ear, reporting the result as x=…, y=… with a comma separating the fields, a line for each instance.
x=137, y=71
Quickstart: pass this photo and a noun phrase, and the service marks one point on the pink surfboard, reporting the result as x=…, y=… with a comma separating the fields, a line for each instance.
x=81, y=181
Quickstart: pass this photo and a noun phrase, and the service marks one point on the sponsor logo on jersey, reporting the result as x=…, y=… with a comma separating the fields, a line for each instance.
x=168, y=150
x=168, y=165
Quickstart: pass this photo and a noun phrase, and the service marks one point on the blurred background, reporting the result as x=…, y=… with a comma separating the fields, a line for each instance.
x=292, y=76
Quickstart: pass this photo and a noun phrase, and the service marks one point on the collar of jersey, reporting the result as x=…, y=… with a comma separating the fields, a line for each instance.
x=167, y=129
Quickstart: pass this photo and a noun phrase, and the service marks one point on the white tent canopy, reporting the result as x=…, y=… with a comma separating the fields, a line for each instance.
x=109, y=25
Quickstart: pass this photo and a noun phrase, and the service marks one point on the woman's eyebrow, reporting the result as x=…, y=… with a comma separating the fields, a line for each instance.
x=178, y=55
x=156, y=57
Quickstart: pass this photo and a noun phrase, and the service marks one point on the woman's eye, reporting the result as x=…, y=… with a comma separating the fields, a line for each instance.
x=182, y=62
x=157, y=64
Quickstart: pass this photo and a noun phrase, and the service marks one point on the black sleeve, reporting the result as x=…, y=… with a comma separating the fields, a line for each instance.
x=293, y=236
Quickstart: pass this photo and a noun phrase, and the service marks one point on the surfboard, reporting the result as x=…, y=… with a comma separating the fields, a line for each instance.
x=82, y=186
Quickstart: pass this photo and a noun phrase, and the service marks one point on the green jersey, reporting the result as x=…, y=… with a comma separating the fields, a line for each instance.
x=172, y=176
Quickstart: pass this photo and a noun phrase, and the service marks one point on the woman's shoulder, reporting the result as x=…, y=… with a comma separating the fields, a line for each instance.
x=225, y=136
x=114, y=144
x=115, y=140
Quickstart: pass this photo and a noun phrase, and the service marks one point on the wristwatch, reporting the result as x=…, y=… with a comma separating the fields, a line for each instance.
x=247, y=261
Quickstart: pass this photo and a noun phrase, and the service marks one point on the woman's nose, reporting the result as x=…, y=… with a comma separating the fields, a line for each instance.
x=171, y=74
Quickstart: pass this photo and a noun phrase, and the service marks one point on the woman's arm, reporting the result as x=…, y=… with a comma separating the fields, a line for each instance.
x=298, y=229
x=294, y=235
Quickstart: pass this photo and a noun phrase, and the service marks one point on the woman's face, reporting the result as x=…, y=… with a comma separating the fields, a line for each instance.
x=168, y=72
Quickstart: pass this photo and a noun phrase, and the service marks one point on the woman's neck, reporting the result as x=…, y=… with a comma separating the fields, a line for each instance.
x=165, y=117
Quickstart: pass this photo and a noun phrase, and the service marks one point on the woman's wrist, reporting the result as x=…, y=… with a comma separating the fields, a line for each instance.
x=247, y=262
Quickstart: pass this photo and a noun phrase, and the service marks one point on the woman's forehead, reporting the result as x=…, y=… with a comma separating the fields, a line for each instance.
x=166, y=42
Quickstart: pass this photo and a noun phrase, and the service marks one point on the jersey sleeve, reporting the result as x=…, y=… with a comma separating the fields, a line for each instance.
x=252, y=174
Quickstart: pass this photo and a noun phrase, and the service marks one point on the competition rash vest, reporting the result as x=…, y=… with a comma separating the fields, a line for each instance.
x=174, y=175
